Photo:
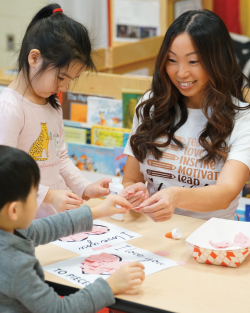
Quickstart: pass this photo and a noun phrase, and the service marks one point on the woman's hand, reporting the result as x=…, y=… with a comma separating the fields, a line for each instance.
x=108, y=207
x=97, y=189
x=63, y=200
x=135, y=194
x=127, y=277
x=160, y=207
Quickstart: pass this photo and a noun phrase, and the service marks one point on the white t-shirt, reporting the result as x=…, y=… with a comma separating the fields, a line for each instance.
x=181, y=167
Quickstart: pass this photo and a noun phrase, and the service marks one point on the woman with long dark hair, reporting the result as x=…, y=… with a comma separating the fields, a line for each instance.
x=191, y=132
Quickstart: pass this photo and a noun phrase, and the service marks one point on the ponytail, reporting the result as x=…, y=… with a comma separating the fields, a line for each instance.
x=60, y=40
x=43, y=13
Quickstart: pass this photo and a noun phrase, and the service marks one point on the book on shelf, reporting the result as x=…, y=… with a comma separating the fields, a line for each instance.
x=109, y=136
x=76, y=135
x=130, y=98
x=120, y=160
x=76, y=132
x=104, y=112
x=92, y=158
x=75, y=106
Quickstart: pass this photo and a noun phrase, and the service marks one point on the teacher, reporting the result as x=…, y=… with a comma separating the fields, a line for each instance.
x=191, y=132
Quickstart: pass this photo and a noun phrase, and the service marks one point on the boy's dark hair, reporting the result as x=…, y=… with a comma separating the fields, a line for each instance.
x=60, y=39
x=18, y=173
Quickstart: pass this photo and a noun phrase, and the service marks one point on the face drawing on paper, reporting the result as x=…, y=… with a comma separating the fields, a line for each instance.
x=96, y=230
x=101, y=264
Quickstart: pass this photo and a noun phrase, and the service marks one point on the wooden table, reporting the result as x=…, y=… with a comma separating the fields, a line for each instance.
x=192, y=288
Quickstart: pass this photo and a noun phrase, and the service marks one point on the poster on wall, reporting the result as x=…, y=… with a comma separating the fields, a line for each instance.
x=136, y=19
x=181, y=7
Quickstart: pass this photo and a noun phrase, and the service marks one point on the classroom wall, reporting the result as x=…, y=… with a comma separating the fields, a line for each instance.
x=15, y=16
x=91, y=13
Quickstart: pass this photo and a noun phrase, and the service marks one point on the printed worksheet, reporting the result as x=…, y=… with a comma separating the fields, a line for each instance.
x=103, y=234
x=87, y=268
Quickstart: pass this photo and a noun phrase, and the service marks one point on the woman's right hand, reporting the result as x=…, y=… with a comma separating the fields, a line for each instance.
x=135, y=194
x=63, y=200
x=127, y=277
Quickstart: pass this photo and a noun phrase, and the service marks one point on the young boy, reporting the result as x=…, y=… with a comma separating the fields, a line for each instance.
x=22, y=286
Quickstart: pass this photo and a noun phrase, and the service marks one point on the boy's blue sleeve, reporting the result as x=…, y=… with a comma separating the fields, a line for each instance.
x=51, y=228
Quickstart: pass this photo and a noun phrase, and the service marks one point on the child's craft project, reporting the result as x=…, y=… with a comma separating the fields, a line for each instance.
x=220, y=242
x=87, y=268
x=102, y=247
x=162, y=253
x=103, y=233
x=96, y=230
x=103, y=263
x=239, y=240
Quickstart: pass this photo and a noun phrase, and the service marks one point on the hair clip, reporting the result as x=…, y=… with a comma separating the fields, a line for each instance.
x=57, y=10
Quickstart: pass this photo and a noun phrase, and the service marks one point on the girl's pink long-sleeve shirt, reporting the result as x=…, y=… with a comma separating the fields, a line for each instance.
x=38, y=130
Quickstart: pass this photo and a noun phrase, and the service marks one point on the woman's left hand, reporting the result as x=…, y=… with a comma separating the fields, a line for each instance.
x=97, y=189
x=160, y=207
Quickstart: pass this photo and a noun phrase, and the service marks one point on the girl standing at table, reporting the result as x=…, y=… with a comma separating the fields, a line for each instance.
x=55, y=50
x=191, y=133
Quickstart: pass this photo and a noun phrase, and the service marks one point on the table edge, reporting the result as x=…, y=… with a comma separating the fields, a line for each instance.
x=120, y=304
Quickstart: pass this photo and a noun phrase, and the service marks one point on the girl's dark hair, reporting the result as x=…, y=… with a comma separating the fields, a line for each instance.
x=18, y=173
x=60, y=40
x=165, y=106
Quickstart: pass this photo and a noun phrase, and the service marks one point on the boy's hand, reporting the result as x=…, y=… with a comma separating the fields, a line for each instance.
x=108, y=207
x=127, y=277
x=97, y=189
x=63, y=200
